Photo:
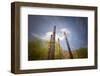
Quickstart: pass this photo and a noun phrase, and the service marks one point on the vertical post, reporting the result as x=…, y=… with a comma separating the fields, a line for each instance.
x=60, y=51
x=69, y=49
x=50, y=48
x=53, y=42
x=59, y=45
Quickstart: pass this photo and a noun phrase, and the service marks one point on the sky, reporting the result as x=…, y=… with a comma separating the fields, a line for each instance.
x=41, y=26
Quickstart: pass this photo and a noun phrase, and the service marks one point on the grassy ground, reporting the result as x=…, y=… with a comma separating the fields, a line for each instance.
x=78, y=53
x=38, y=50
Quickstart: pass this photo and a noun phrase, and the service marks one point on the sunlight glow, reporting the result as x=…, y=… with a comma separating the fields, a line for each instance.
x=49, y=33
x=59, y=34
x=65, y=30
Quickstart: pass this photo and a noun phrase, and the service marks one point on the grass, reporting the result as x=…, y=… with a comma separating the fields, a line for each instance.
x=38, y=50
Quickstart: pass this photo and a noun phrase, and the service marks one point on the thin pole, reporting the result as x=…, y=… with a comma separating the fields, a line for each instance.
x=69, y=49
x=50, y=48
x=60, y=51
x=53, y=43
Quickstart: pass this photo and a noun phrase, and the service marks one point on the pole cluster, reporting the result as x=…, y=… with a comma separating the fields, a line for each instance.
x=51, y=49
x=51, y=52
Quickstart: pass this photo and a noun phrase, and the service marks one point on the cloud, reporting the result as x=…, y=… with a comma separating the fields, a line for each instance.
x=65, y=30
x=35, y=35
x=47, y=36
x=59, y=34
x=49, y=33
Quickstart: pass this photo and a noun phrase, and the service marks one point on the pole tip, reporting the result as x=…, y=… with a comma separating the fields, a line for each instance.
x=64, y=33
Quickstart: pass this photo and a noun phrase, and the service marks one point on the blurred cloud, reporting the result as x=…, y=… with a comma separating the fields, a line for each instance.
x=65, y=30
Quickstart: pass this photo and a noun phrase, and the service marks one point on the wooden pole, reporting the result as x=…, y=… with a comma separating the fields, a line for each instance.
x=53, y=43
x=59, y=46
x=50, y=48
x=60, y=50
x=69, y=49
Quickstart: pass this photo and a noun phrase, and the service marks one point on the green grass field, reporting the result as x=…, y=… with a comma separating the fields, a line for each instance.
x=38, y=50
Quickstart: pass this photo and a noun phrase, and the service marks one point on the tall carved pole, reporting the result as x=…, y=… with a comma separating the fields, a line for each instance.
x=53, y=42
x=69, y=49
x=60, y=51
x=59, y=46
x=51, y=49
